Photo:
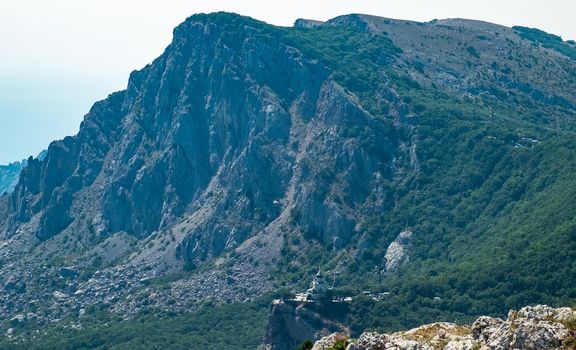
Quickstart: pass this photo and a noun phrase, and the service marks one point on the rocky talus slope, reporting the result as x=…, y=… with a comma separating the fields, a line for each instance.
x=531, y=328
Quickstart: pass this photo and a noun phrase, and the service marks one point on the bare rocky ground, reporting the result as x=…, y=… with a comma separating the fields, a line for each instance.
x=531, y=328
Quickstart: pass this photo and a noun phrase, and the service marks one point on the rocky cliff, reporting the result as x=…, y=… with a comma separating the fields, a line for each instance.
x=213, y=147
x=291, y=323
x=531, y=328
x=10, y=174
x=248, y=156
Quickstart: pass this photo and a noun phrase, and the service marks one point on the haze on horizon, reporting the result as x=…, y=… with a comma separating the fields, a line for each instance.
x=59, y=57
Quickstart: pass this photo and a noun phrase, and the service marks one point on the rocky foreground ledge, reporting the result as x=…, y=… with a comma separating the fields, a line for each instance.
x=532, y=328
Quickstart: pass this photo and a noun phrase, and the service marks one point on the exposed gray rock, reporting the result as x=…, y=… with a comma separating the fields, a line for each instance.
x=307, y=23
x=398, y=252
x=328, y=343
x=213, y=149
x=10, y=174
x=531, y=328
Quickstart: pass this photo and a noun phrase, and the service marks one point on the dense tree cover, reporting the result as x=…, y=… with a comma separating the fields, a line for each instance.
x=506, y=239
x=495, y=226
x=236, y=326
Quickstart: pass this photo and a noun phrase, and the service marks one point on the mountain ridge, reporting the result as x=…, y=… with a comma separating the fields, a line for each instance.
x=10, y=174
x=247, y=156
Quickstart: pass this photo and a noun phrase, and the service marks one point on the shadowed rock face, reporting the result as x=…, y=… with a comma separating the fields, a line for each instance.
x=47, y=188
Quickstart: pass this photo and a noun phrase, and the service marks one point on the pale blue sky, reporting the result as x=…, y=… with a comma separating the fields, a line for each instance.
x=58, y=57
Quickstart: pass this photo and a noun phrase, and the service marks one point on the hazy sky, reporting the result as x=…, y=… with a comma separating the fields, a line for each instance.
x=57, y=57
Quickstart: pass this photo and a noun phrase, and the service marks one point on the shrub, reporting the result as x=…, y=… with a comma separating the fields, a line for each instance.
x=307, y=345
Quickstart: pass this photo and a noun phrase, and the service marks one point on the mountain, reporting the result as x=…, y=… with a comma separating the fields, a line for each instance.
x=9, y=174
x=431, y=163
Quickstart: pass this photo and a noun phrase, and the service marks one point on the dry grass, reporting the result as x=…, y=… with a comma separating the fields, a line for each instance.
x=570, y=342
x=570, y=324
x=427, y=333
x=441, y=344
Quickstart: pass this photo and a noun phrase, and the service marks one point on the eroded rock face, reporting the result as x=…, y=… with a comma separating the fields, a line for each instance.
x=217, y=145
x=291, y=323
x=531, y=328
x=9, y=175
x=209, y=123
x=398, y=251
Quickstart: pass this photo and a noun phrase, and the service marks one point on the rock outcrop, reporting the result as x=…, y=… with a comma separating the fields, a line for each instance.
x=291, y=323
x=10, y=174
x=531, y=328
x=398, y=251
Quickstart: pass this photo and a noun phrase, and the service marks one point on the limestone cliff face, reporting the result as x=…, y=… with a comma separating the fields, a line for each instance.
x=10, y=174
x=248, y=128
x=230, y=138
x=398, y=251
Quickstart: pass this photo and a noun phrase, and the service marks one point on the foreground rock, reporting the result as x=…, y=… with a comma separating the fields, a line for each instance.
x=532, y=328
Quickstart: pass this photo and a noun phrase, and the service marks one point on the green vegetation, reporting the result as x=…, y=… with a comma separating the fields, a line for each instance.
x=570, y=324
x=235, y=326
x=494, y=222
x=307, y=345
x=491, y=206
x=549, y=41
x=476, y=346
x=570, y=341
x=340, y=344
x=472, y=51
x=356, y=57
